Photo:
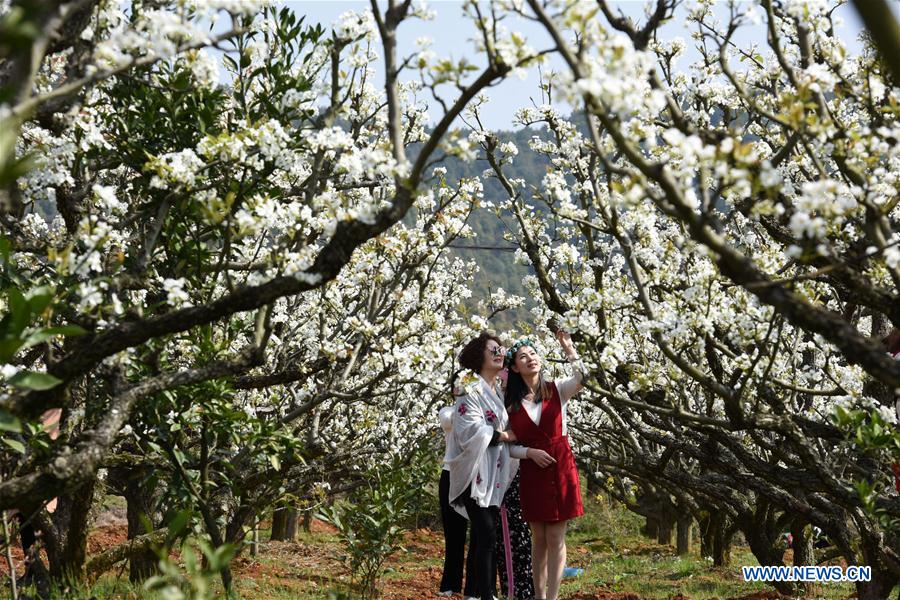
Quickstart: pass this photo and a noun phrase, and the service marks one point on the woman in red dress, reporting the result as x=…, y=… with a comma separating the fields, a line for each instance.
x=549, y=488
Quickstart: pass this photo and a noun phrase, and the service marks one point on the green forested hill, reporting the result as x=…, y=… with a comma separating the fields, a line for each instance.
x=497, y=267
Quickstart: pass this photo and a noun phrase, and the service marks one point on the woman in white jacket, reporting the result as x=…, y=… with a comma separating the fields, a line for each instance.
x=481, y=466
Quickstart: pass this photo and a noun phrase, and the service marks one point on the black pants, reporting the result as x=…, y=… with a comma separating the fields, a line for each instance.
x=455, y=526
x=481, y=564
x=27, y=533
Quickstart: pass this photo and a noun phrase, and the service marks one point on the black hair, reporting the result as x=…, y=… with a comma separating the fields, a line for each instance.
x=516, y=388
x=472, y=355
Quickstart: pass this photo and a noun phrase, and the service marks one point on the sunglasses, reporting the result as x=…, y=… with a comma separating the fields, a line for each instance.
x=497, y=351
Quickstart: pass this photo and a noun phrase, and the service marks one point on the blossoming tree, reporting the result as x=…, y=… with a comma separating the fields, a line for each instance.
x=205, y=270
x=724, y=238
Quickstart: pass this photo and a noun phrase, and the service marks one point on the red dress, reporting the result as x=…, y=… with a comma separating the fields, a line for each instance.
x=553, y=493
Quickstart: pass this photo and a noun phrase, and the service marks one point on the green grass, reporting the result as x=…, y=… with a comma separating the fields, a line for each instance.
x=605, y=542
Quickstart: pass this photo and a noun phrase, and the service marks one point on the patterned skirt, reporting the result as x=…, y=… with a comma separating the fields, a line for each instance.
x=520, y=543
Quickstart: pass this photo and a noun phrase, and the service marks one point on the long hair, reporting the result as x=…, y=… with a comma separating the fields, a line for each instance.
x=516, y=388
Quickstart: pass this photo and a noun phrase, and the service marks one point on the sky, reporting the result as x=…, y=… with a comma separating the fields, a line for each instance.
x=452, y=33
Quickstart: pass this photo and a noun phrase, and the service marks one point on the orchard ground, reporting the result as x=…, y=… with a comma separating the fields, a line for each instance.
x=619, y=564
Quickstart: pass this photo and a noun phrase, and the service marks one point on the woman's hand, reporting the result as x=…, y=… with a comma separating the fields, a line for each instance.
x=565, y=340
x=508, y=436
x=539, y=457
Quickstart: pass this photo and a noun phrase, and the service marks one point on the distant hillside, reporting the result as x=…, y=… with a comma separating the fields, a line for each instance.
x=497, y=267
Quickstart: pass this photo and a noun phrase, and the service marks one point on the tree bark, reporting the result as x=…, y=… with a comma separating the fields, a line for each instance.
x=683, y=536
x=704, y=522
x=882, y=25
x=665, y=535
x=284, y=524
x=721, y=547
x=883, y=579
x=879, y=588
x=647, y=505
x=71, y=520
x=765, y=549
x=802, y=543
x=715, y=537
x=106, y=559
x=140, y=495
x=141, y=491
x=651, y=527
x=667, y=517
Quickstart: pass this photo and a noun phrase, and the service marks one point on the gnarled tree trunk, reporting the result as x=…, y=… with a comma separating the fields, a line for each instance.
x=802, y=543
x=140, y=490
x=71, y=520
x=140, y=494
x=284, y=524
x=879, y=588
x=716, y=534
x=667, y=519
x=651, y=527
x=683, y=535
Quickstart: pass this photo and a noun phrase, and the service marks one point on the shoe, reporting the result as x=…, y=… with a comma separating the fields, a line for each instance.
x=572, y=572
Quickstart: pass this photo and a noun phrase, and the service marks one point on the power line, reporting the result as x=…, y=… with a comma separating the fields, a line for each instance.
x=500, y=248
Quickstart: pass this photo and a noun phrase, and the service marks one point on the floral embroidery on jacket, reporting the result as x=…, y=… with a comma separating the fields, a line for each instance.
x=462, y=409
x=491, y=416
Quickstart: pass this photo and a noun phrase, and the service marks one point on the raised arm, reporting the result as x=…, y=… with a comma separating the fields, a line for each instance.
x=572, y=385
